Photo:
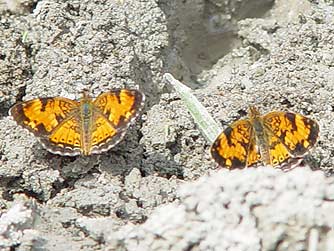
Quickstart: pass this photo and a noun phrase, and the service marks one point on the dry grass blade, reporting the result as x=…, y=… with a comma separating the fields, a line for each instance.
x=203, y=119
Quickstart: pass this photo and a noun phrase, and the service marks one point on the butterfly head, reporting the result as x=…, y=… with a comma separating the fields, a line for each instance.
x=85, y=94
x=253, y=112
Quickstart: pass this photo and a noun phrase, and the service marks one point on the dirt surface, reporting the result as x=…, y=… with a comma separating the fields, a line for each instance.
x=159, y=189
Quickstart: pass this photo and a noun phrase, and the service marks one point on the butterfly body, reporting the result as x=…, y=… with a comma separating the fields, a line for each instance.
x=272, y=139
x=84, y=127
x=261, y=135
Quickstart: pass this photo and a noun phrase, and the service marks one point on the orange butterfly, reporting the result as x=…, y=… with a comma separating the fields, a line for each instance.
x=69, y=127
x=272, y=139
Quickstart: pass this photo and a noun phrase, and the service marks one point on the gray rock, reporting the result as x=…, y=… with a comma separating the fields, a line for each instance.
x=16, y=227
x=252, y=209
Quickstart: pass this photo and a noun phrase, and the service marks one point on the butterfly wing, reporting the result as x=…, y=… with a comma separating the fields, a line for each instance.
x=235, y=147
x=43, y=117
x=114, y=112
x=290, y=135
x=65, y=138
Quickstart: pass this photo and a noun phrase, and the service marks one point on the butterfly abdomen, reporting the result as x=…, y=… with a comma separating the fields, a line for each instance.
x=86, y=118
x=261, y=137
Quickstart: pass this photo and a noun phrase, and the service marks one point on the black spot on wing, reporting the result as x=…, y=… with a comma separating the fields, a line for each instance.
x=40, y=130
x=314, y=130
x=44, y=102
x=118, y=95
x=311, y=139
x=228, y=131
x=236, y=163
x=292, y=119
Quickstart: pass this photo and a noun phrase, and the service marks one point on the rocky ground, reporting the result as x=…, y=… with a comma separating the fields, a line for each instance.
x=159, y=189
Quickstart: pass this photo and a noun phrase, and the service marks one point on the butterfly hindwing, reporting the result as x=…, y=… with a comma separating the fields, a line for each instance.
x=65, y=139
x=104, y=134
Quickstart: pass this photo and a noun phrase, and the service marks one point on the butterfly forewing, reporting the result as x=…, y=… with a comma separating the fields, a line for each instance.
x=120, y=106
x=42, y=115
x=235, y=146
x=296, y=132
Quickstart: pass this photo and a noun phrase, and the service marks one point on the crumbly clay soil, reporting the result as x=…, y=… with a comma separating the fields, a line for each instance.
x=159, y=189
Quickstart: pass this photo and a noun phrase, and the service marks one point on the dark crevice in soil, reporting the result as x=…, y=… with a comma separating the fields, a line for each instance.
x=21, y=93
x=209, y=31
x=30, y=6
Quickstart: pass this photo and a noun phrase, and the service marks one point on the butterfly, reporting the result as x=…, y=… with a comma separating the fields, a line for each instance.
x=84, y=127
x=272, y=139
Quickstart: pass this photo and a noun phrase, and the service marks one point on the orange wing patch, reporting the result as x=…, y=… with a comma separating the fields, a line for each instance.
x=118, y=107
x=87, y=126
x=273, y=139
x=236, y=145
